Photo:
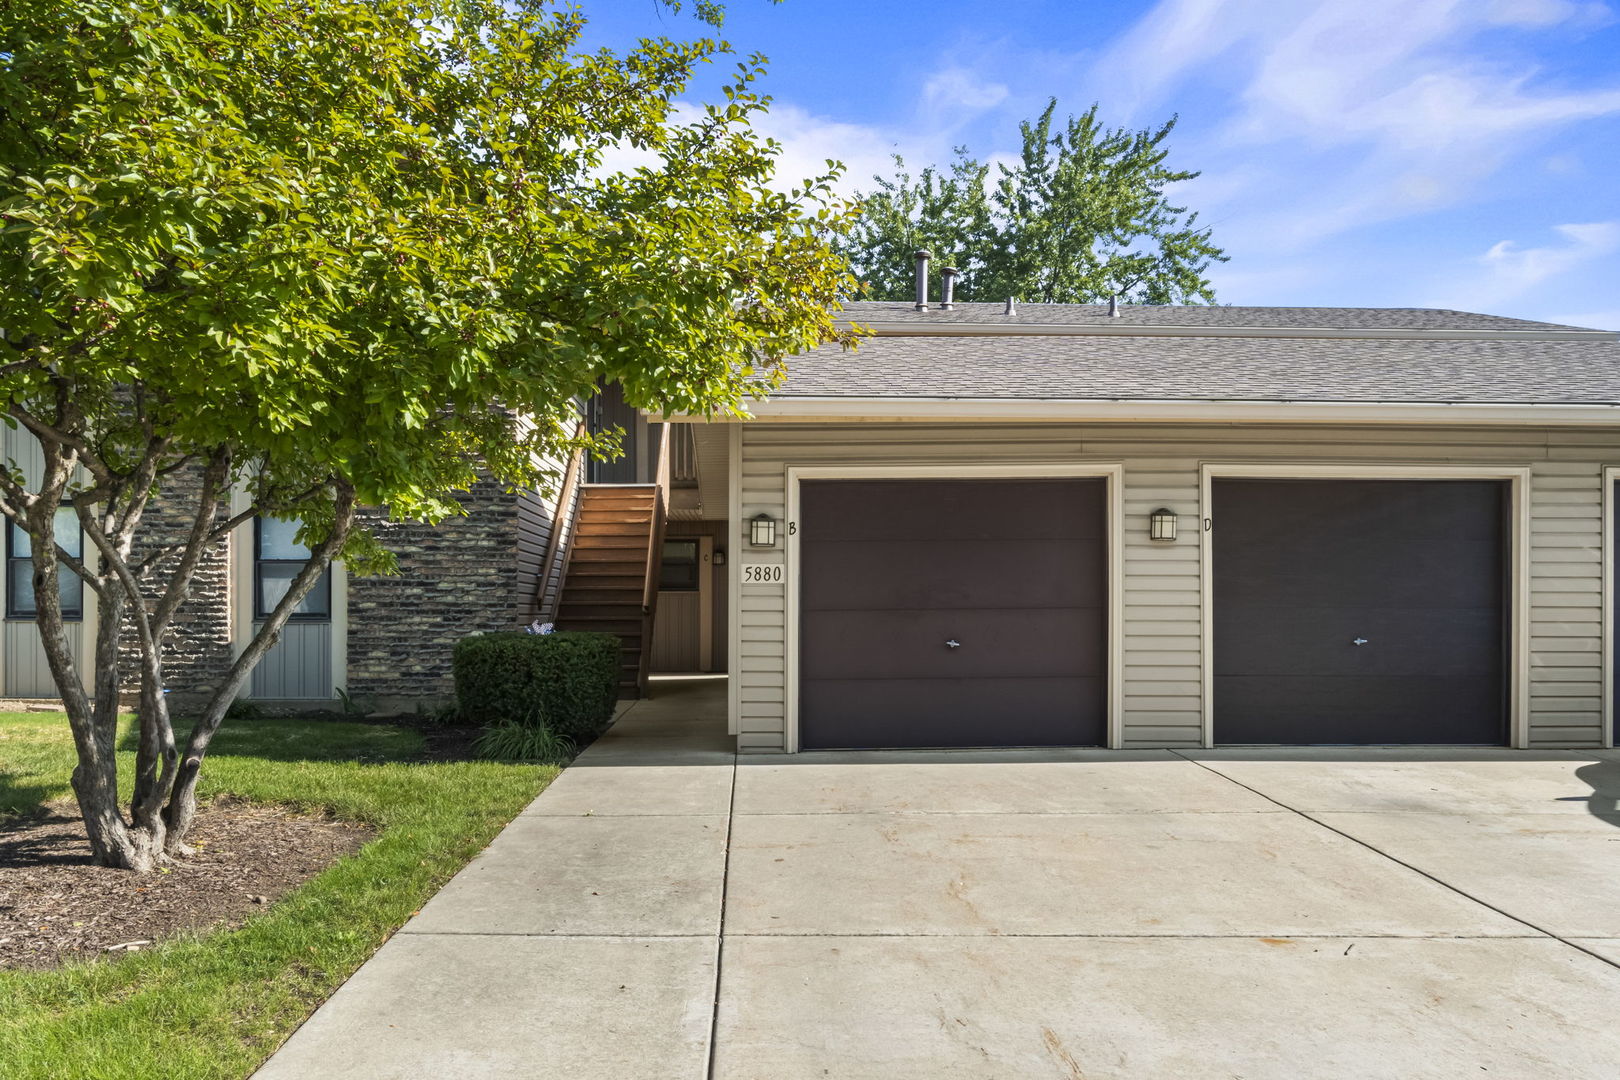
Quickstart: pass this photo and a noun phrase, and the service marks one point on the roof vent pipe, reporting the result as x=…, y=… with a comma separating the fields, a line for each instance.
x=947, y=287
x=922, y=258
x=1113, y=306
x=1011, y=308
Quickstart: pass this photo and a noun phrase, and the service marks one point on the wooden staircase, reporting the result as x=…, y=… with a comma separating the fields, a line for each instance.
x=618, y=537
x=610, y=579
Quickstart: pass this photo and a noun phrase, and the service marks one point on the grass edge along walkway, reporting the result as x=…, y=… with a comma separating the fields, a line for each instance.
x=216, y=1004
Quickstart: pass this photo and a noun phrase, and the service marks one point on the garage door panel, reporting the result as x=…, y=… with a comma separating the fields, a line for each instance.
x=1013, y=570
x=1316, y=709
x=860, y=713
x=1443, y=575
x=1302, y=569
x=1261, y=640
x=1396, y=510
x=911, y=644
x=928, y=573
x=949, y=509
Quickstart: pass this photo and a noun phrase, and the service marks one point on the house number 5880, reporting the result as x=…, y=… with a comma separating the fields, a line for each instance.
x=762, y=574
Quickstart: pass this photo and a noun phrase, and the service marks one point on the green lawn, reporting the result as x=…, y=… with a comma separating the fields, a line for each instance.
x=215, y=1005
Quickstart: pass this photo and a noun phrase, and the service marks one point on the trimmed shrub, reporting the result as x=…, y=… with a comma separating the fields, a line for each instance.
x=568, y=682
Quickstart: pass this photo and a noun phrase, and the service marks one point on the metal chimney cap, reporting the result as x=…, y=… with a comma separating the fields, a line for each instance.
x=1113, y=306
x=1012, y=308
x=947, y=278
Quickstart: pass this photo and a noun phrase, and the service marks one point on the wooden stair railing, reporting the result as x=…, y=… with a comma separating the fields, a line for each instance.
x=655, y=558
x=554, y=566
x=610, y=577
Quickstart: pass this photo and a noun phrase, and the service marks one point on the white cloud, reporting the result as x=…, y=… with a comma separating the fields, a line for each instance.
x=1508, y=273
x=1536, y=13
x=1517, y=269
x=1364, y=110
x=808, y=140
x=954, y=91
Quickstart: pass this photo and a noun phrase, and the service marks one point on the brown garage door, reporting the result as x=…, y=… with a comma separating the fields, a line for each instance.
x=892, y=571
x=1360, y=611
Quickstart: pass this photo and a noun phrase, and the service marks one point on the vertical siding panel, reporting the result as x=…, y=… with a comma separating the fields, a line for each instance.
x=1160, y=710
x=1566, y=566
x=300, y=665
x=28, y=673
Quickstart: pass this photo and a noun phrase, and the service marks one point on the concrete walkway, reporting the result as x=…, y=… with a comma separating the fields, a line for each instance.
x=666, y=910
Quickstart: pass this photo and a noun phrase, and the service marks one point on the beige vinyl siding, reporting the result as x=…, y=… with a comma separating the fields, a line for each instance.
x=24, y=671
x=1161, y=683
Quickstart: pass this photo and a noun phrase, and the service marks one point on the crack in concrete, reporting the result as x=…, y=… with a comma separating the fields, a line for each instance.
x=1375, y=849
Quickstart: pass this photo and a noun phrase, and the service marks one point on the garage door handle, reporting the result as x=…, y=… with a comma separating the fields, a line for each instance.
x=1359, y=641
x=953, y=644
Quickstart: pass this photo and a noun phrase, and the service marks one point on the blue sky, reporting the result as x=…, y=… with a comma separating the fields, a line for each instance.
x=1428, y=153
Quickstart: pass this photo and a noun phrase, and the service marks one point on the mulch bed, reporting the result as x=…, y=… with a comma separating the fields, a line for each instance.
x=56, y=905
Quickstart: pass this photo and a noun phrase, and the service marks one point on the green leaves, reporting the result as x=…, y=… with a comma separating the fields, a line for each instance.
x=1082, y=216
x=373, y=239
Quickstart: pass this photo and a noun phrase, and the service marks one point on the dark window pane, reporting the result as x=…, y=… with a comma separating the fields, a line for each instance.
x=275, y=578
x=71, y=586
x=679, y=570
x=20, y=587
x=279, y=540
x=20, y=568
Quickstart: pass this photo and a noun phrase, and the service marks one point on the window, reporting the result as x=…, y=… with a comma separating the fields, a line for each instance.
x=20, y=568
x=278, y=557
x=679, y=570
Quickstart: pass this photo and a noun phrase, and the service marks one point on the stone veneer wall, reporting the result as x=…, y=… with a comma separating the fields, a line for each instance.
x=455, y=578
x=199, y=652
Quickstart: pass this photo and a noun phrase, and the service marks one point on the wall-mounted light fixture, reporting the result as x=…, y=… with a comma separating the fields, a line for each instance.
x=719, y=558
x=762, y=530
x=1162, y=524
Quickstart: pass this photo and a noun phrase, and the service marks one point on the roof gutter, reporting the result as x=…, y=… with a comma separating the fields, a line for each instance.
x=834, y=409
x=1116, y=329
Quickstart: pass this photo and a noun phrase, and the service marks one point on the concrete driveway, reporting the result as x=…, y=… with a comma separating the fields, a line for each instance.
x=667, y=910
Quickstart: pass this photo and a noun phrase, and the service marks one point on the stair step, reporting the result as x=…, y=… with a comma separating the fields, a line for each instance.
x=590, y=539
x=628, y=630
x=642, y=529
x=614, y=520
x=611, y=554
x=595, y=500
x=617, y=605
x=583, y=598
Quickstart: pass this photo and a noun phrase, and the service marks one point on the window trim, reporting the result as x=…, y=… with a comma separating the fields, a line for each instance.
x=74, y=615
x=259, y=613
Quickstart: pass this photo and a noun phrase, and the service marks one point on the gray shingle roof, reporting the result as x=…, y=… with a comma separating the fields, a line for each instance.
x=1189, y=315
x=1583, y=370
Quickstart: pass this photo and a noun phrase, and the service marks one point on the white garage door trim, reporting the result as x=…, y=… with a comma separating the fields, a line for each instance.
x=1111, y=473
x=1611, y=477
x=1518, y=478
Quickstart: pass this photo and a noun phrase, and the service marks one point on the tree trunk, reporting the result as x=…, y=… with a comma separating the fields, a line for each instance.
x=182, y=808
x=95, y=783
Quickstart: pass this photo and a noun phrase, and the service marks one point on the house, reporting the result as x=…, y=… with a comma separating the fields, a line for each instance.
x=1001, y=526
x=1030, y=525
x=386, y=642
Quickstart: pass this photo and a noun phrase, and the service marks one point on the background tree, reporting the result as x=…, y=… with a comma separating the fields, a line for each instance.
x=340, y=254
x=1081, y=217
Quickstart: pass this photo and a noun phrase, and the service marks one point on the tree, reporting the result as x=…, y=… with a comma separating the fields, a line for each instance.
x=1081, y=217
x=344, y=254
